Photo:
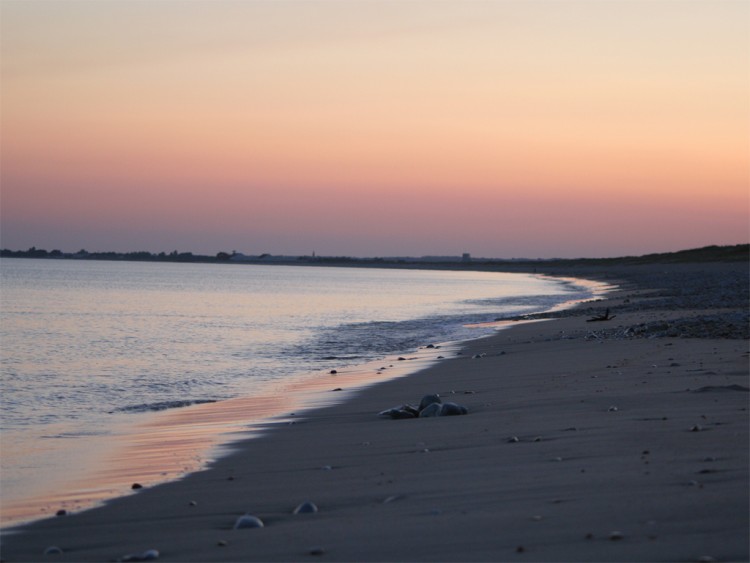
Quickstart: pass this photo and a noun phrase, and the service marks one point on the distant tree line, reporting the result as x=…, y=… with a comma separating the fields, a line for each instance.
x=174, y=256
x=83, y=254
x=730, y=253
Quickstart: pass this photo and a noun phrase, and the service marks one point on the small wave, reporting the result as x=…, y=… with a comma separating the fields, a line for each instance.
x=344, y=358
x=368, y=340
x=163, y=405
x=81, y=434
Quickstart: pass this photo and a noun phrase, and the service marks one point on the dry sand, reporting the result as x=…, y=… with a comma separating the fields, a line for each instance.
x=631, y=446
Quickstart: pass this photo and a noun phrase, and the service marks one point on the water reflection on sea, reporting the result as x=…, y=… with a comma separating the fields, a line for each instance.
x=91, y=350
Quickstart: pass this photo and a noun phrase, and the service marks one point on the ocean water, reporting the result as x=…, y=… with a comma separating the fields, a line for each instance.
x=88, y=348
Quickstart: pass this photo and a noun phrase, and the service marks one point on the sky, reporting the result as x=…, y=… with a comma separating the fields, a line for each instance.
x=502, y=128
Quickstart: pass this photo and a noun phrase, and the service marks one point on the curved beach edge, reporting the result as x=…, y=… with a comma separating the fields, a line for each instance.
x=168, y=440
x=621, y=439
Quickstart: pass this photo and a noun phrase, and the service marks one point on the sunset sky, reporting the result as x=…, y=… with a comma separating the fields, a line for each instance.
x=502, y=128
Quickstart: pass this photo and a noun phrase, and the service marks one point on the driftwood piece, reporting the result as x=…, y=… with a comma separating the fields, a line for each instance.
x=605, y=317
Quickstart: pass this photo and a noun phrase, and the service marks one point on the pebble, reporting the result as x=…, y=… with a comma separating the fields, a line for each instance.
x=432, y=409
x=696, y=428
x=513, y=439
x=397, y=413
x=248, y=521
x=333, y=372
x=53, y=550
x=148, y=555
x=612, y=409
x=306, y=507
x=615, y=536
x=452, y=409
x=193, y=503
x=61, y=512
x=136, y=486
x=222, y=543
x=428, y=400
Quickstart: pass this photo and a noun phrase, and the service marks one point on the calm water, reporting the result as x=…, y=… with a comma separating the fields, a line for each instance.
x=88, y=345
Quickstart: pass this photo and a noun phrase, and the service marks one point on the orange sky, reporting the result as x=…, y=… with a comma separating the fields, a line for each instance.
x=502, y=128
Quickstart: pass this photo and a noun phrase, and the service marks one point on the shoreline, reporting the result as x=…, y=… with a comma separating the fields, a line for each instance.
x=199, y=435
x=455, y=488
x=205, y=433
x=168, y=445
x=108, y=458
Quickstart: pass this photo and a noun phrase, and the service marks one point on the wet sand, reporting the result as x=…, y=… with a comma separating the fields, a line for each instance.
x=623, y=440
x=167, y=445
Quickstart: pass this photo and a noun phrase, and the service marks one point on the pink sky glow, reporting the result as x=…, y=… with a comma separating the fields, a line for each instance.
x=504, y=128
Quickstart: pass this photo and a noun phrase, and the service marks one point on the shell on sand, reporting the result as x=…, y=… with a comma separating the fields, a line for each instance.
x=306, y=507
x=148, y=555
x=248, y=521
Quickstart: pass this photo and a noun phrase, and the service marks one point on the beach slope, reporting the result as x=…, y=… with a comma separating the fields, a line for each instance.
x=617, y=440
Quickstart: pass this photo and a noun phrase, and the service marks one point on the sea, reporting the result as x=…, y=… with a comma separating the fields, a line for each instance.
x=93, y=352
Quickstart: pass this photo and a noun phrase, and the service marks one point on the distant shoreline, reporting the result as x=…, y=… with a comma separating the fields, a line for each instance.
x=714, y=253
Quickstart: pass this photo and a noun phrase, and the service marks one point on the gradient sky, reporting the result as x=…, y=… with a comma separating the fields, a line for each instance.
x=502, y=128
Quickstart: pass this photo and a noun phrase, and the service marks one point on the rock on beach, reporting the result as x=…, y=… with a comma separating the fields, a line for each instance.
x=429, y=406
x=248, y=521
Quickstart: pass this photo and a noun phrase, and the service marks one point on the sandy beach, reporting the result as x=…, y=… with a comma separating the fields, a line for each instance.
x=620, y=440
